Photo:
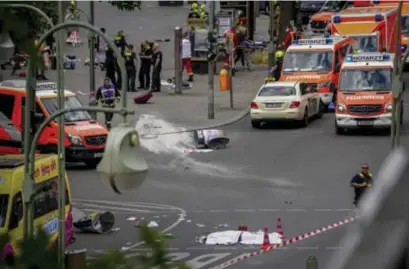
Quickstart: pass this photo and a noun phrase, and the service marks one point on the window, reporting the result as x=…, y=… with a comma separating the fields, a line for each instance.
x=51, y=104
x=366, y=79
x=308, y=61
x=46, y=198
x=16, y=211
x=303, y=88
x=7, y=104
x=277, y=91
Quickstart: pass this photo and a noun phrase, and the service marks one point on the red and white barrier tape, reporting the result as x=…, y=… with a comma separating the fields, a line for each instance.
x=285, y=243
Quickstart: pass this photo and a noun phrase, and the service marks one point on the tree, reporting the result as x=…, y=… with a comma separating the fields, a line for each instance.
x=286, y=15
x=126, y=5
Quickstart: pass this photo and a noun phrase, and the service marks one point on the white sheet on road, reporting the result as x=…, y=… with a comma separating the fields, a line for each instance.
x=247, y=238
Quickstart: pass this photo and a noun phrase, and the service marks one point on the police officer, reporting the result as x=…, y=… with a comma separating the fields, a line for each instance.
x=110, y=65
x=157, y=59
x=120, y=41
x=130, y=65
x=275, y=71
x=146, y=62
x=108, y=95
x=361, y=182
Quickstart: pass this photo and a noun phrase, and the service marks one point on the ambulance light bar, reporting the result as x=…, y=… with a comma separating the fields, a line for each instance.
x=376, y=2
x=368, y=58
x=378, y=17
x=314, y=41
x=336, y=19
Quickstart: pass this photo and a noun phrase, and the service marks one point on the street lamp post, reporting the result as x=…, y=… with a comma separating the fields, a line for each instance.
x=397, y=83
x=30, y=148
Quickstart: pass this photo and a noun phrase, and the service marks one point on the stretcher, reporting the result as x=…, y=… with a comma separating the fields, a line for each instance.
x=249, y=49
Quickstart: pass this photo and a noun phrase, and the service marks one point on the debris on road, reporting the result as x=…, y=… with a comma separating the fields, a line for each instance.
x=98, y=222
x=153, y=224
x=188, y=221
x=132, y=218
x=200, y=225
x=238, y=237
x=224, y=225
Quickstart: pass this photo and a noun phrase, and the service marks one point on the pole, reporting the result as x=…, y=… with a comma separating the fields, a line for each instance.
x=178, y=60
x=397, y=89
x=61, y=146
x=231, y=56
x=210, y=108
x=92, y=99
x=271, y=41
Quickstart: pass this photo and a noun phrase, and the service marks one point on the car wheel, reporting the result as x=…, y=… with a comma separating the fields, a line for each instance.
x=255, y=124
x=339, y=130
x=92, y=164
x=321, y=110
x=305, y=120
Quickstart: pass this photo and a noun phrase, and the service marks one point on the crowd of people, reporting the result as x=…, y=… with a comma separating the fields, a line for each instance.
x=150, y=58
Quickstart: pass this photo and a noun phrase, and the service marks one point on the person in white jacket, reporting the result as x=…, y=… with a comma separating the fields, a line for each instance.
x=187, y=55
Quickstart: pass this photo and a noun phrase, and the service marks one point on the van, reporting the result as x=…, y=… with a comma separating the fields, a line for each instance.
x=85, y=138
x=320, y=20
x=317, y=62
x=45, y=201
x=10, y=137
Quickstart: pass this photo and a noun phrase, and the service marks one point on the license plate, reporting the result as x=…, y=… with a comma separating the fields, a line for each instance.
x=365, y=122
x=273, y=105
x=98, y=155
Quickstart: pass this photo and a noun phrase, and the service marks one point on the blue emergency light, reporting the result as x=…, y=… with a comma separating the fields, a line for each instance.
x=314, y=41
x=376, y=2
x=378, y=17
x=336, y=19
x=403, y=48
x=368, y=58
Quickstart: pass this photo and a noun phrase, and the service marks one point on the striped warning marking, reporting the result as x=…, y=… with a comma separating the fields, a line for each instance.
x=285, y=243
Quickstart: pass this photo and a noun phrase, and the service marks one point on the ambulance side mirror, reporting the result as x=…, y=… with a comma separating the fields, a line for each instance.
x=122, y=166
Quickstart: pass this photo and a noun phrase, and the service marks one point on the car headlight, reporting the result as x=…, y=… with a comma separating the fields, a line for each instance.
x=388, y=108
x=324, y=85
x=75, y=140
x=340, y=108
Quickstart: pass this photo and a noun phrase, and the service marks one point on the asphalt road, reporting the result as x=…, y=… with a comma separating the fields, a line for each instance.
x=300, y=175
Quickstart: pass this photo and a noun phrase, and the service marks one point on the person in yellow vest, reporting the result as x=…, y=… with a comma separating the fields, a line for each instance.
x=120, y=41
x=41, y=51
x=361, y=182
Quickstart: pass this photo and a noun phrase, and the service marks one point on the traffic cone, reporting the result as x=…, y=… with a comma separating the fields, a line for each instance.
x=266, y=240
x=280, y=228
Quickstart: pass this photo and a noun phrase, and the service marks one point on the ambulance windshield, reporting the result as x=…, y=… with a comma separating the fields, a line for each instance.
x=364, y=44
x=405, y=24
x=51, y=104
x=333, y=5
x=366, y=79
x=308, y=61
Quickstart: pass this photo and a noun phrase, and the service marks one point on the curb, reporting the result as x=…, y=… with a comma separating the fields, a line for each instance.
x=232, y=120
x=286, y=242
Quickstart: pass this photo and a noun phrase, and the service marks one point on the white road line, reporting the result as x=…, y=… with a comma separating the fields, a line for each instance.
x=105, y=207
x=218, y=210
x=295, y=210
x=225, y=248
x=245, y=210
x=304, y=248
x=323, y=210
x=197, y=248
x=345, y=209
x=268, y=210
x=196, y=211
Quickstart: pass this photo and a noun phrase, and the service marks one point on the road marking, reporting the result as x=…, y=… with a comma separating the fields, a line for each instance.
x=323, y=210
x=182, y=216
x=296, y=210
x=269, y=210
x=305, y=248
x=245, y=210
x=105, y=207
x=218, y=210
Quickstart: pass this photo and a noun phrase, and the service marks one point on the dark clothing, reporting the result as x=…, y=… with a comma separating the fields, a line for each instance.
x=156, y=78
x=277, y=72
x=129, y=58
x=110, y=66
x=120, y=42
x=157, y=59
x=145, y=69
x=361, y=178
x=240, y=56
x=131, y=73
x=145, y=75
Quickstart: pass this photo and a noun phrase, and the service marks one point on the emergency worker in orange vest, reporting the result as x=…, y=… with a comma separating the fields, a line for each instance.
x=292, y=34
x=41, y=51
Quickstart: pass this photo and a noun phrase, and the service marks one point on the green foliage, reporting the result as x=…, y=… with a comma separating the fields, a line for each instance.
x=126, y=5
x=35, y=252
x=23, y=22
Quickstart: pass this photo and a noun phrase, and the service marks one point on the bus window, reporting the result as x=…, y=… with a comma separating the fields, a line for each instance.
x=46, y=198
x=16, y=211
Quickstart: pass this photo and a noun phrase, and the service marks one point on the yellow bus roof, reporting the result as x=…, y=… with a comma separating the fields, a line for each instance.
x=12, y=171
